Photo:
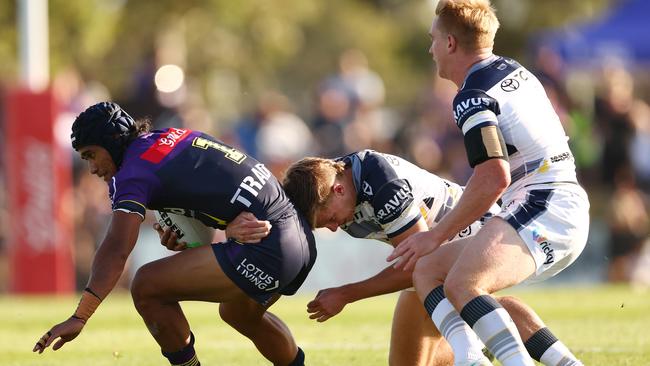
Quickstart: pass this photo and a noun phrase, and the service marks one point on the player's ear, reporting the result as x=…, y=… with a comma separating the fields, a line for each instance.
x=338, y=188
x=452, y=43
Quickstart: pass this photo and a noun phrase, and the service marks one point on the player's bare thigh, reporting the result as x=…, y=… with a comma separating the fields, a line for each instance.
x=193, y=274
x=415, y=341
x=494, y=259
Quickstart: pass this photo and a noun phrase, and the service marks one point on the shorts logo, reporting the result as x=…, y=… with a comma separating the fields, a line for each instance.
x=545, y=245
x=256, y=276
x=465, y=232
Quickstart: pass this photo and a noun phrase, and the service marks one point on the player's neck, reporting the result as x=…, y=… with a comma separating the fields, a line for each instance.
x=466, y=62
x=348, y=183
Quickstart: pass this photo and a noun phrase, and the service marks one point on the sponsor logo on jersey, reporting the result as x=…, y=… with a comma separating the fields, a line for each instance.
x=545, y=245
x=164, y=145
x=251, y=184
x=509, y=85
x=395, y=203
x=469, y=104
x=257, y=276
x=367, y=189
x=563, y=156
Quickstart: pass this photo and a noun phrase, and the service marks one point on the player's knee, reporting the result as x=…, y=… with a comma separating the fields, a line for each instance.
x=509, y=303
x=237, y=318
x=426, y=273
x=142, y=290
x=456, y=289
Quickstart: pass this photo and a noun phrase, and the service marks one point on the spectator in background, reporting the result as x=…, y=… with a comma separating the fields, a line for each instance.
x=612, y=113
x=334, y=112
x=629, y=224
x=282, y=137
x=640, y=144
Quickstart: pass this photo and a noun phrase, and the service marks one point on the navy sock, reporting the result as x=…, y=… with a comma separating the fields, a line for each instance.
x=185, y=357
x=433, y=299
x=539, y=342
x=299, y=360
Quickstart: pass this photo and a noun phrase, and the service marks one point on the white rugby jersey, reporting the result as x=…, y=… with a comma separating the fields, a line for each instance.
x=500, y=92
x=392, y=195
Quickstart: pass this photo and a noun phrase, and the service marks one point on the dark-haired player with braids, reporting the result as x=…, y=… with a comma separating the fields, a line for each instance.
x=190, y=173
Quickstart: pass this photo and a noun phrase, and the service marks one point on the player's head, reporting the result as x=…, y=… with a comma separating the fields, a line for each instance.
x=106, y=125
x=314, y=187
x=473, y=22
x=469, y=25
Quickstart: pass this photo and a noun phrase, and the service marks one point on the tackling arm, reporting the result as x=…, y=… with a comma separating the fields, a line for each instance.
x=330, y=302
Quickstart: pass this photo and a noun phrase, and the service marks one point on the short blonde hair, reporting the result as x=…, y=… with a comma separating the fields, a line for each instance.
x=308, y=184
x=473, y=22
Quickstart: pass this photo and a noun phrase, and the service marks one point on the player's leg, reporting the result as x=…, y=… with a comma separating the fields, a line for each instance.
x=158, y=286
x=428, y=277
x=541, y=343
x=269, y=334
x=496, y=258
x=414, y=339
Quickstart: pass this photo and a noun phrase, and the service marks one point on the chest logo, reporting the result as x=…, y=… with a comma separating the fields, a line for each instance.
x=509, y=85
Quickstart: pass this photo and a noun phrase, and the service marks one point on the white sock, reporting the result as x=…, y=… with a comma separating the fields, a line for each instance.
x=550, y=351
x=462, y=339
x=495, y=328
x=559, y=355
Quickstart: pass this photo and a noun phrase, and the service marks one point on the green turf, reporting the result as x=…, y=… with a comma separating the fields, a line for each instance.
x=603, y=325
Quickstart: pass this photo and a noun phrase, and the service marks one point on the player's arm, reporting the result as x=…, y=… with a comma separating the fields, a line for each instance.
x=330, y=302
x=107, y=268
x=488, y=181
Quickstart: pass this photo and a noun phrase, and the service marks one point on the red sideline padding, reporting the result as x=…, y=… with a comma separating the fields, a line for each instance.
x=39, y=183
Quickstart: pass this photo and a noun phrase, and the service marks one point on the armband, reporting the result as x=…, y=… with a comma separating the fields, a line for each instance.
x=484, y=143
x=87, y=305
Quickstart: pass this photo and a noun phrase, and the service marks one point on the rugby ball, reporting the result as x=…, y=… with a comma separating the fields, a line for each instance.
x=187, y=229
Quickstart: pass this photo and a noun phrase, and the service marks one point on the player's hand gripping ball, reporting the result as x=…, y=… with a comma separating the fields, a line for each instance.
x=189, y=230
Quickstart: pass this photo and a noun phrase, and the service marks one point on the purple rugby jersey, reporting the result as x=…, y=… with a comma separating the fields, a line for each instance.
x=190, y=173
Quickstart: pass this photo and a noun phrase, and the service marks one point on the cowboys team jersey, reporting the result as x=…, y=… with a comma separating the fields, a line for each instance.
x=192, y=174
x=393, y=194
x=500, y=92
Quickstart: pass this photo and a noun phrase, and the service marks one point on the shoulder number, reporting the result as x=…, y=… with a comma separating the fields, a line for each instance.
x=229, y=152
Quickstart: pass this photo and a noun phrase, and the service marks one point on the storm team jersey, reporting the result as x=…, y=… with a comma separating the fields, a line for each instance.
x=500, y=92
x=190, y=173
x=393, y=194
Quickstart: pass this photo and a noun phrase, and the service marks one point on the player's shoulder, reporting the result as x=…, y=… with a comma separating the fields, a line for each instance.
x=369, y=163
x=487, y=74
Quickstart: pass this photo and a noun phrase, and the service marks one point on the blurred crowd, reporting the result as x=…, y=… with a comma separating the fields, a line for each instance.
x=603, y=111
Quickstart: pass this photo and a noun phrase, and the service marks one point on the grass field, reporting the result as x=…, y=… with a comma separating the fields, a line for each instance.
x=603, y=326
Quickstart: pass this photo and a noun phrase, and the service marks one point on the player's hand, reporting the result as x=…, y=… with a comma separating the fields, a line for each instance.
x=327, y=304
x=168, y=239
x=66, y=331
x=411, y=249
x=246, y=228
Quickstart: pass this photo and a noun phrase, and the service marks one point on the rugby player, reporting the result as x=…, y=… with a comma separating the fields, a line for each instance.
x=519, y=151
x=187, y=172
x=379, y=196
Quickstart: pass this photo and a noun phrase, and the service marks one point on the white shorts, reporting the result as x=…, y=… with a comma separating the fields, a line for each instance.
x=553, y=221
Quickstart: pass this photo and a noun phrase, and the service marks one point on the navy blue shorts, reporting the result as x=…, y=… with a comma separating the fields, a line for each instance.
x=278, y=264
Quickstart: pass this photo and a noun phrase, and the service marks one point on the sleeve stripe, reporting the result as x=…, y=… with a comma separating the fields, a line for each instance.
x=129, y=211
x=404, y=228
x=478, y=118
